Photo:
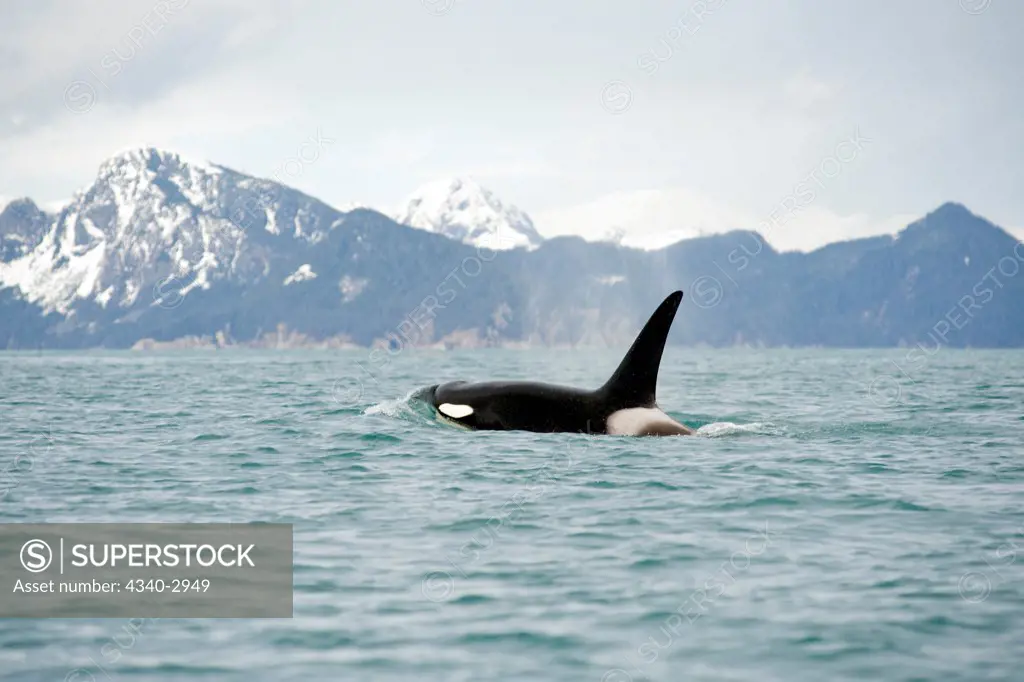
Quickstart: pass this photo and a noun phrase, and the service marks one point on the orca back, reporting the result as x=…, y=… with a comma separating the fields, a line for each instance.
x=624, y=405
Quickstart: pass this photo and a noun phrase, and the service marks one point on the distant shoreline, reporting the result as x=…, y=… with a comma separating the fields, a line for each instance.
x=150, y=346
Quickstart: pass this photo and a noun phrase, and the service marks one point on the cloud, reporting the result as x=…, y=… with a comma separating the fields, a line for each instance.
x=398, y=148
x=645, y=216
x=72, y=148
x=806, y=92
x=655, y=218
x=741, y=112
x=501, y=171
x=64, y=59
x=815, y=226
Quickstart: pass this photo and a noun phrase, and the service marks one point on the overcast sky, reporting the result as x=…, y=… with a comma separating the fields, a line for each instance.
x=647, y=115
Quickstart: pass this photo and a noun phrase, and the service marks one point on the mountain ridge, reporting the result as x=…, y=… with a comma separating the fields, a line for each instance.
x=158, y=249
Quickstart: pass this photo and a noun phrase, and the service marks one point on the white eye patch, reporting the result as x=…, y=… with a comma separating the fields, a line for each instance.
x=455, y=411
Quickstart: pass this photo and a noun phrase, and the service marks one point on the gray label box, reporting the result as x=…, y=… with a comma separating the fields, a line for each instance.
x=145, y=570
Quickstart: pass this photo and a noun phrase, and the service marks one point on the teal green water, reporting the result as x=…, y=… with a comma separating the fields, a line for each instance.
x=835, y=518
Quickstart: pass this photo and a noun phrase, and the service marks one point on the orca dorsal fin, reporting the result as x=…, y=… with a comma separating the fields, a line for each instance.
x=634, y=382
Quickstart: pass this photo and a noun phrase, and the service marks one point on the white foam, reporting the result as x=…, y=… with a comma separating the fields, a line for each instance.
x=388, y=408
x=720, y=429
x=392, y=408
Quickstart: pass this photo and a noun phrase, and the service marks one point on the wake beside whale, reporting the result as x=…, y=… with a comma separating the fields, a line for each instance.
x=625, y=405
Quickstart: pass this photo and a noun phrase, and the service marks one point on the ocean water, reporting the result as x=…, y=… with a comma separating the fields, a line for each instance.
x=841, y=515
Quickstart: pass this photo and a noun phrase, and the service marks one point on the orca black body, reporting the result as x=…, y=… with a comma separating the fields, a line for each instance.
x=625, y=405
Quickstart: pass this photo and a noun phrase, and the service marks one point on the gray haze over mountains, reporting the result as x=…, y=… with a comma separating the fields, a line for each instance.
x=159, y=249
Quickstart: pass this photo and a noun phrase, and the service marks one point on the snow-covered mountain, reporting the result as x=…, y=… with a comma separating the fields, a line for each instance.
x=461, y=209
x=150, y=216
x=158, y=248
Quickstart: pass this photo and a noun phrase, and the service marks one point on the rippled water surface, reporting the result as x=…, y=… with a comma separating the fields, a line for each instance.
x=842, y=515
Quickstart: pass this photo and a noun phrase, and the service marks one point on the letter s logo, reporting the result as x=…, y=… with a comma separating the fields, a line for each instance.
x=36, y=556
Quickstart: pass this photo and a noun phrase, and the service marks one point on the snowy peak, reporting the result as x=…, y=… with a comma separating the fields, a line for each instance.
x=149, y=216
x=155, y=175
x=459, y=208
x=133, y=161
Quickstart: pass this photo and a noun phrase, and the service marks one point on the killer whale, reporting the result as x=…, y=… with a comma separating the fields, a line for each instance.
x=624, y=405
